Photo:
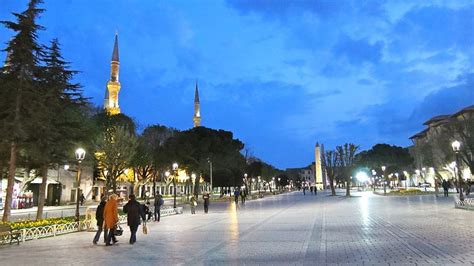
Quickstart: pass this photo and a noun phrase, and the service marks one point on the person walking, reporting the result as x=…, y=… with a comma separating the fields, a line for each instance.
x=445, y=186
x=110, y=219
x=99, y=216
x=147, y=211
x=158, y=203
x=206, y=202
x=236, y=196
x=243, y=194
x=82, y=198
x=193, y=204
x=135, y=214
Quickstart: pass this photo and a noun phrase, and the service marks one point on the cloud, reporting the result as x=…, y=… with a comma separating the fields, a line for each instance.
x=357, y=52
x=447, y=100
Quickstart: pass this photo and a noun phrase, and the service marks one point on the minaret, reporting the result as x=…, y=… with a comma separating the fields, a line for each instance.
x=318, y=169
x=197, y=108
x=113, y=85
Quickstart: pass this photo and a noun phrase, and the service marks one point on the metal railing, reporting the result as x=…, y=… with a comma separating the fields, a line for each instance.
x=66, y=228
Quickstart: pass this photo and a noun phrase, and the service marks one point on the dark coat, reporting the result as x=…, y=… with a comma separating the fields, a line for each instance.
x=134, y=212
x=99, y=214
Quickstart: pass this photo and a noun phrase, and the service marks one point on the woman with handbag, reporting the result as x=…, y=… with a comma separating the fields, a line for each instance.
x=111, y=219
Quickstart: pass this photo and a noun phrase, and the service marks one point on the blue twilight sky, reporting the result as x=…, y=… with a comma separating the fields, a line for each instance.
x=282, y=75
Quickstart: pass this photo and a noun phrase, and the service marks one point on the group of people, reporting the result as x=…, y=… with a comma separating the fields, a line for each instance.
x=243, y=195
x=193, y=203
x=313, y=189
x=107, y=217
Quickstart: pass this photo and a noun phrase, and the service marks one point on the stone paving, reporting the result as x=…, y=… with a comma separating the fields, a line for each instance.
x=289, y=229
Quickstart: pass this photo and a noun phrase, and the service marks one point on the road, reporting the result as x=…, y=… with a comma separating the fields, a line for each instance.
x=288, y=229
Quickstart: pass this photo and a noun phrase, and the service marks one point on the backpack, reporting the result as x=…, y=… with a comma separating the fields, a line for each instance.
x=161, y=201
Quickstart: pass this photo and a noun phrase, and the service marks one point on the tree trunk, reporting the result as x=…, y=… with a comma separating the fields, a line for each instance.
x=114, y=186
x=11, y=181
x=196, y=188
x=348, y=188
x=42, y=191
x=331, y=184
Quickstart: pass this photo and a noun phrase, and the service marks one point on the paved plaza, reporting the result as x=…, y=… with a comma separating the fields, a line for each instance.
x=288, y=229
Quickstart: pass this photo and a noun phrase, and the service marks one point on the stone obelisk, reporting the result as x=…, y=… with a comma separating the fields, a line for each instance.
x=318, y=172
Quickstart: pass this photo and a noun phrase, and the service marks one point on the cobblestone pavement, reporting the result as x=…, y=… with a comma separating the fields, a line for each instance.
x=289, y=229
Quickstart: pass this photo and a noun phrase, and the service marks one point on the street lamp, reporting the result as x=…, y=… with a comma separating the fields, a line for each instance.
x=175, y=174
x=210, y=174
x=374, y=175
x=80, y=154
x=456, y=145
x=384, y=179
x=279, y=185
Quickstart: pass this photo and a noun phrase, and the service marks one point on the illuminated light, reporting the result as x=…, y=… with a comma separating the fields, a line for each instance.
x=456, y=145
x=362, y=176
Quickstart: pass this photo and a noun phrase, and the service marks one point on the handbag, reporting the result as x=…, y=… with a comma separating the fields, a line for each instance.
x=145, y=229
x=118, y=231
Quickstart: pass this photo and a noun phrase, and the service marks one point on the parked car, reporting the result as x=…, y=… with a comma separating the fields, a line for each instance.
x=426, y=184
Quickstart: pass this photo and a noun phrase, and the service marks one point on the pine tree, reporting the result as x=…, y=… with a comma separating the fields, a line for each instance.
x=18, y=90
x=61, y=116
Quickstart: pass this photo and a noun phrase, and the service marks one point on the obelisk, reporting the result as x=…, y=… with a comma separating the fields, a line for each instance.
x=318, y=172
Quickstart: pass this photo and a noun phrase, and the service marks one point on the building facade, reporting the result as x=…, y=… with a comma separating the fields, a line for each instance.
x=434, y=158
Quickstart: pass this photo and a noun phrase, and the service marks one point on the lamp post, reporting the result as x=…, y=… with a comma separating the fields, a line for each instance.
x=175, y=175
x=210, y=174
x=279, y=185
x=456, y=145
x=384, y=179
x=374, y=175
x=80, y=154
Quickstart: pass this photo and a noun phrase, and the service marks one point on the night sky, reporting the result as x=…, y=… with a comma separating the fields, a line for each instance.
x=282, y=75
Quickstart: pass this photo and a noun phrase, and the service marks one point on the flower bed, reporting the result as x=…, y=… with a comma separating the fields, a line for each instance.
x=44, y=222
x=406, y=191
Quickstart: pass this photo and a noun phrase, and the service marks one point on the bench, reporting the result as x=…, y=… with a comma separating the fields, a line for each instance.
x=7, y=233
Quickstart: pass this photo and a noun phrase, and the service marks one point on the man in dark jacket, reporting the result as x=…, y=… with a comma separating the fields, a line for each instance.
x=158, y=203
x=134, y=213
x=206, y=202
x=99, y=216
x=445, y=185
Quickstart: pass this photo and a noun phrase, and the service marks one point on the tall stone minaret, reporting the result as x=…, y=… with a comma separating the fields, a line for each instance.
x=197, y=108
x=113, y=85
x=318, y=169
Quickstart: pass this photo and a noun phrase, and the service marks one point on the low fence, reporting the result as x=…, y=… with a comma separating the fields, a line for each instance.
x=86, y=225
x=467, y=203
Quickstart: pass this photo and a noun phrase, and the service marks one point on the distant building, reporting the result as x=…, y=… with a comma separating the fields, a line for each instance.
x=197, y=108
x=434, y=127
x=303, y=174
x=111, y=104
